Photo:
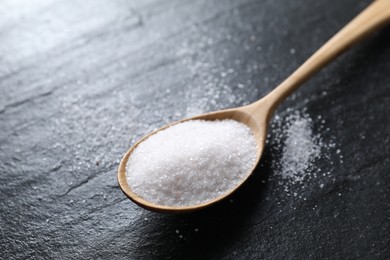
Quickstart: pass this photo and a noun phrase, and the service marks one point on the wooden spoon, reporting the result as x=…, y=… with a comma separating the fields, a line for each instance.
x=257, y=115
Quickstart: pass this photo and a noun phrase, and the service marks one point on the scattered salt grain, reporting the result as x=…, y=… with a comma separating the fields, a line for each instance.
x=301, y=148
x=297, y=151
x=192, y=162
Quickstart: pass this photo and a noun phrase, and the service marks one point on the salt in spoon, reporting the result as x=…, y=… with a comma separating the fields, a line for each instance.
x=258, y=114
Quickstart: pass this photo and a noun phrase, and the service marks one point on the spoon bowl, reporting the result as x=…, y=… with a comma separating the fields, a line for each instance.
x=255, y=121
x=257, y=115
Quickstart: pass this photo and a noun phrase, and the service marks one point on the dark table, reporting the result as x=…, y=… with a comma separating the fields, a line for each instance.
x=81, y=81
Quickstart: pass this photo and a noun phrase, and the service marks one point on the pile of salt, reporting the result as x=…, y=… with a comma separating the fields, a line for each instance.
x=192, y=162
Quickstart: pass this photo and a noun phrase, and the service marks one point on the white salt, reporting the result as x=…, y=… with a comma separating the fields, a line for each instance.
x=302, y=157
x=300, y=150
x=192, y=162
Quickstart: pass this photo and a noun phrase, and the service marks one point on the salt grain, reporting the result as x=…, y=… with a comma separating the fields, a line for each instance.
x=301, y=148
x=297, y=150
x=192, y=162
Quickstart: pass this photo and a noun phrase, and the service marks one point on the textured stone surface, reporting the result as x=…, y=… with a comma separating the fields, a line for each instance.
x=80, y=81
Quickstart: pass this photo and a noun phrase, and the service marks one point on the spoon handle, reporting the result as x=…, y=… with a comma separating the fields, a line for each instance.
x=370, y=19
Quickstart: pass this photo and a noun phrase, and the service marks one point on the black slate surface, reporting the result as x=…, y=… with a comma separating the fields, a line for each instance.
x=81, y=81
